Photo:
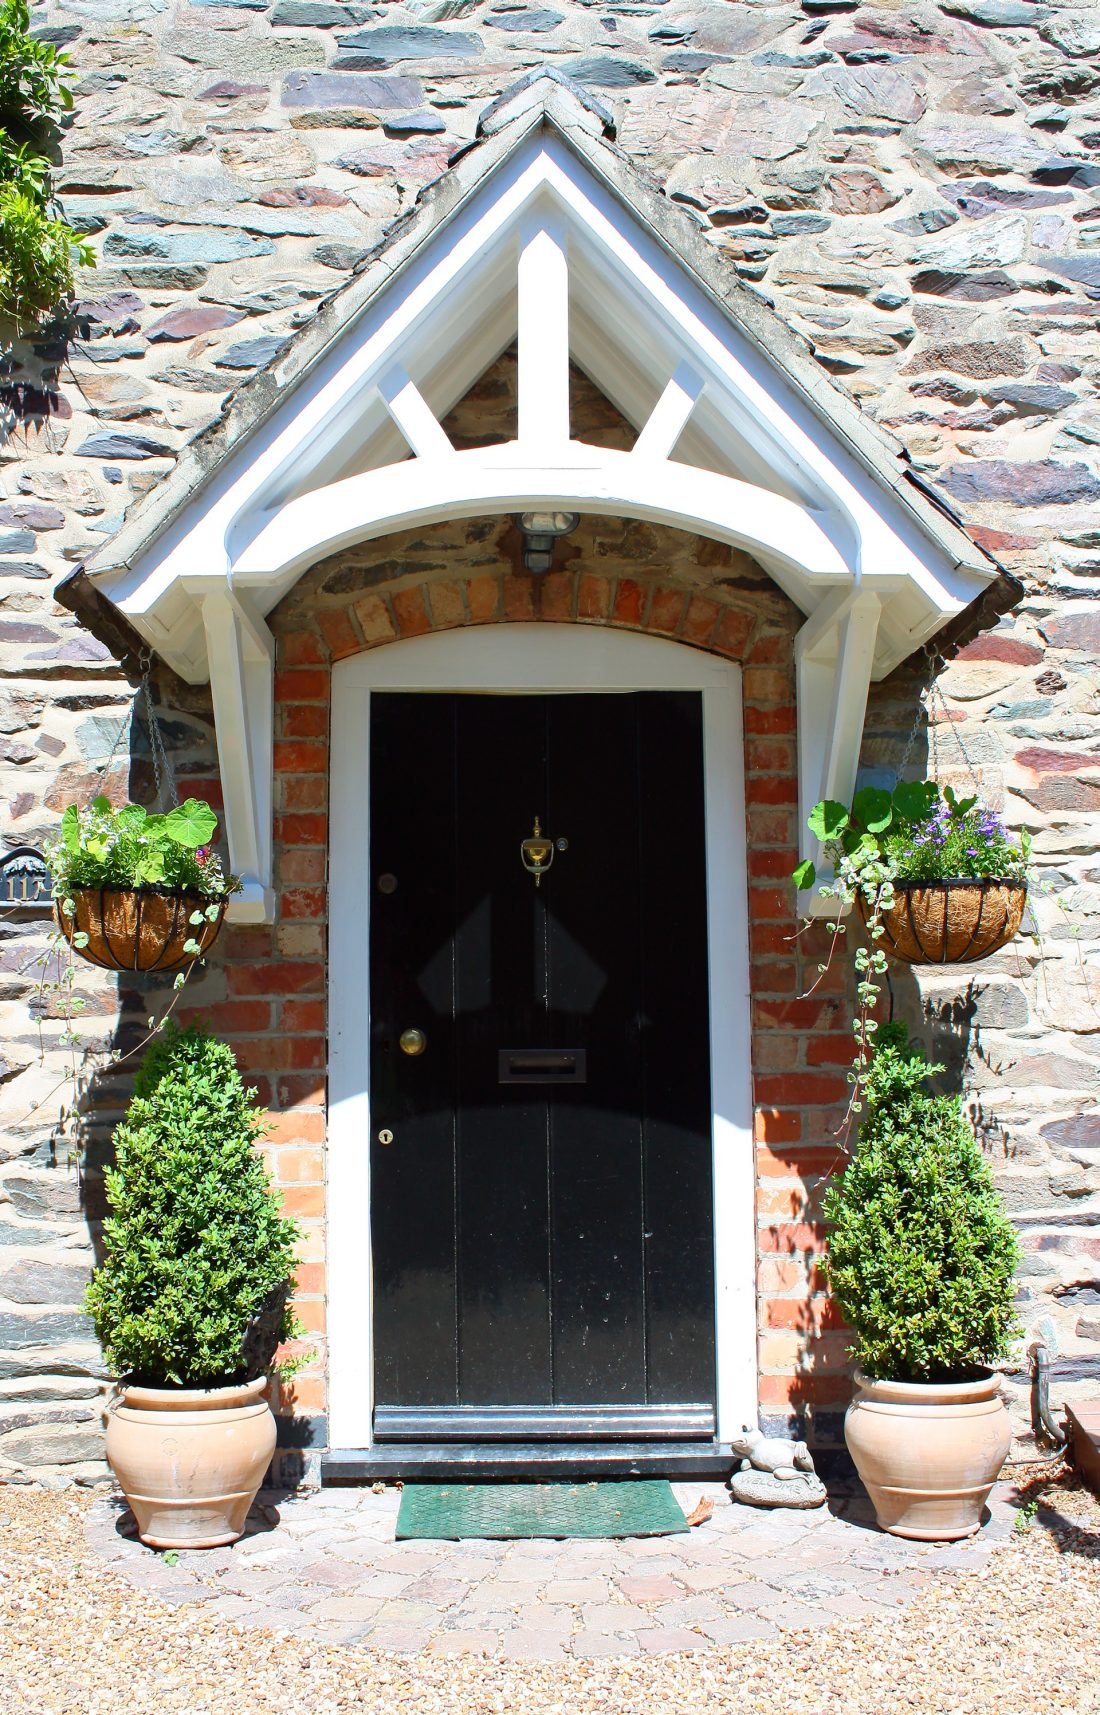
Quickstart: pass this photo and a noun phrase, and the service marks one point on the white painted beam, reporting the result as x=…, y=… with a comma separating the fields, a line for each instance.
x=414, y=416
x=543, y=286
x=573, y=476
x=833, y=662
x=669, y=417
x=241, y=652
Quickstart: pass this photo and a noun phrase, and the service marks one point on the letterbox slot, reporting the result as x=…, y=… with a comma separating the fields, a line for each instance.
x=542, y=1066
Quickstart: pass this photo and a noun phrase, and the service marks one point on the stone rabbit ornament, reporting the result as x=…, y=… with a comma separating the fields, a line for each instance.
x=774, y=1472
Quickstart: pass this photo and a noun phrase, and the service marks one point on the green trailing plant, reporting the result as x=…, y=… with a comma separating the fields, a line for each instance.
x=921, y=1253
x=198, y=1258
x=914, y=833
x=39, y=251
x=99, y=846
x=130, y=847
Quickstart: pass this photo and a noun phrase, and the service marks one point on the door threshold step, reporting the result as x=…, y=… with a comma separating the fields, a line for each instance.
x=464, y=1461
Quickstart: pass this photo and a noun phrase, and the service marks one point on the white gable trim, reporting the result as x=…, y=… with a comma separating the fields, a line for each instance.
x=545, y=247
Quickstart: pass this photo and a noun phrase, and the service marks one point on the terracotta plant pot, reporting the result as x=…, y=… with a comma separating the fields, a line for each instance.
x=950, y=922
x=190, y=1460
x=928, y=1453
x=138, y=929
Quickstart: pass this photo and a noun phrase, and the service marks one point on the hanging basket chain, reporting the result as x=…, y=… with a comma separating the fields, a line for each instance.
x=162, y=767
x=931, y=661
x=929, y=696
x=975, y=781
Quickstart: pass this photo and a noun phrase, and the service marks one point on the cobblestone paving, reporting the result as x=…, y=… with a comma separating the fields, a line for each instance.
x=326, y=1567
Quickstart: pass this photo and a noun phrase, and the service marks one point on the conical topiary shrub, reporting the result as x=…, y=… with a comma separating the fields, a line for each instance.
x=921, y=1252
x=198, y=1259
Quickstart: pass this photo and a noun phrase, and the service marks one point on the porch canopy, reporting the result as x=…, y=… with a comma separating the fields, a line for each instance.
x=540, y=233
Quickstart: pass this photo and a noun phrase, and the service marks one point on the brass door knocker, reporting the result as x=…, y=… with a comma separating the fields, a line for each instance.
x=537, y=853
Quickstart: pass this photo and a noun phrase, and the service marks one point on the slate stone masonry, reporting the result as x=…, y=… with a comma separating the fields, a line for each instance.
x=915, y=187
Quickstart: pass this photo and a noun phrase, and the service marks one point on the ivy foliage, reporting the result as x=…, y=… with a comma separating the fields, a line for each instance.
x=38, y=250
x=921, y=1253
x=198, y=1257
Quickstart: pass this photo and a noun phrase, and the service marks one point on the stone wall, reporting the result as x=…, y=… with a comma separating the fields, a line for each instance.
x=914, y=185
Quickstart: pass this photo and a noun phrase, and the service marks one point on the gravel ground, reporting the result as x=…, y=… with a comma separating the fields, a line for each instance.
x=1017, y=1635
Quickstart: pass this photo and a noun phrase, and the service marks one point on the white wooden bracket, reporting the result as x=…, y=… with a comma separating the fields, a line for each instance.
x=834, y=655
x=242, y=682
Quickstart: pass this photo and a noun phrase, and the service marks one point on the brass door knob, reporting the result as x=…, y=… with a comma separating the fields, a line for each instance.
x=412, y=1042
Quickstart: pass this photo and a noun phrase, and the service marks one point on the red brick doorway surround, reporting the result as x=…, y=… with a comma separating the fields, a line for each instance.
x=611, y=573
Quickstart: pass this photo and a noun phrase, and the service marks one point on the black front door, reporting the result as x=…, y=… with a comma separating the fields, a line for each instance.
x=542, y=1217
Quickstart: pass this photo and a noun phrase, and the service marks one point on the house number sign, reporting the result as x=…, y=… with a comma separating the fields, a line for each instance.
x=25, y=882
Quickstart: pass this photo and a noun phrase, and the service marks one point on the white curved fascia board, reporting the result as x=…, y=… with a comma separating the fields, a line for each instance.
x=508, y=479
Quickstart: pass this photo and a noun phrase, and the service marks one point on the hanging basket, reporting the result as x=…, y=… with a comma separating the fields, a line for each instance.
x=138, y=929
x=949, y=922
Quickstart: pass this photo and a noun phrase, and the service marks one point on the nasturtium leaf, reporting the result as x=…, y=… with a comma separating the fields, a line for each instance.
x=151, y=868
x=804, y=876
x=827, y=820
x=70, y=829
x=132, y=816
x=101, y=805
x=191, y=824
x=914, y=799
x=873, y=808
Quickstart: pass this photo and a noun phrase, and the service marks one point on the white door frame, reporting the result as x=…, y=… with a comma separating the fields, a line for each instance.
x=535, y=658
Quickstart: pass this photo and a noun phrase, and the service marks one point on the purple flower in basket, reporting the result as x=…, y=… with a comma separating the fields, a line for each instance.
x=202, y=854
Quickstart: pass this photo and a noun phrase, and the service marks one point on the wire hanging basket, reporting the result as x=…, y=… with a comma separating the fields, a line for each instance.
x=147, y=926
x=138, y=929
x=950, y=922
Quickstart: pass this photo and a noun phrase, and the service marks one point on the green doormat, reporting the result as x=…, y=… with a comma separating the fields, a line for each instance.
x=450, y=1511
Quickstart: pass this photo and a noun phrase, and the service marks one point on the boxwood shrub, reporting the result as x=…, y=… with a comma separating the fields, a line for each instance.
x=921, y=1254
x=198, y=1258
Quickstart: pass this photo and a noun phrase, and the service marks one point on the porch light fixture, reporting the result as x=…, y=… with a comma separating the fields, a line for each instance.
x=540, y=531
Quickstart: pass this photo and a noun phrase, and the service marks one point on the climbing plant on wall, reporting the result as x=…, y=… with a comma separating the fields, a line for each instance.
x=38, y=249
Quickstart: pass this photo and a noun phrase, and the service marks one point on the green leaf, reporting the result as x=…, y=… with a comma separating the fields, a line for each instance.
x=804, y=876
x=70, y=829
x=196, y=917
x=874, y=809
x=151, y=868
x=827, y=820
x=914, y=799
x=191, y=824
x=101, y=805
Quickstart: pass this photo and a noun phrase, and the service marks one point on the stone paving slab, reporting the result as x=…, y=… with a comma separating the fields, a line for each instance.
x=326, y=1566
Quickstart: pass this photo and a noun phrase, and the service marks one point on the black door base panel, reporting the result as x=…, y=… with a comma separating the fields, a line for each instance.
x=578, y=1461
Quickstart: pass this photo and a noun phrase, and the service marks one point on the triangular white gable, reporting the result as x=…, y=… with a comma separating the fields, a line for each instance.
x=545, y=235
